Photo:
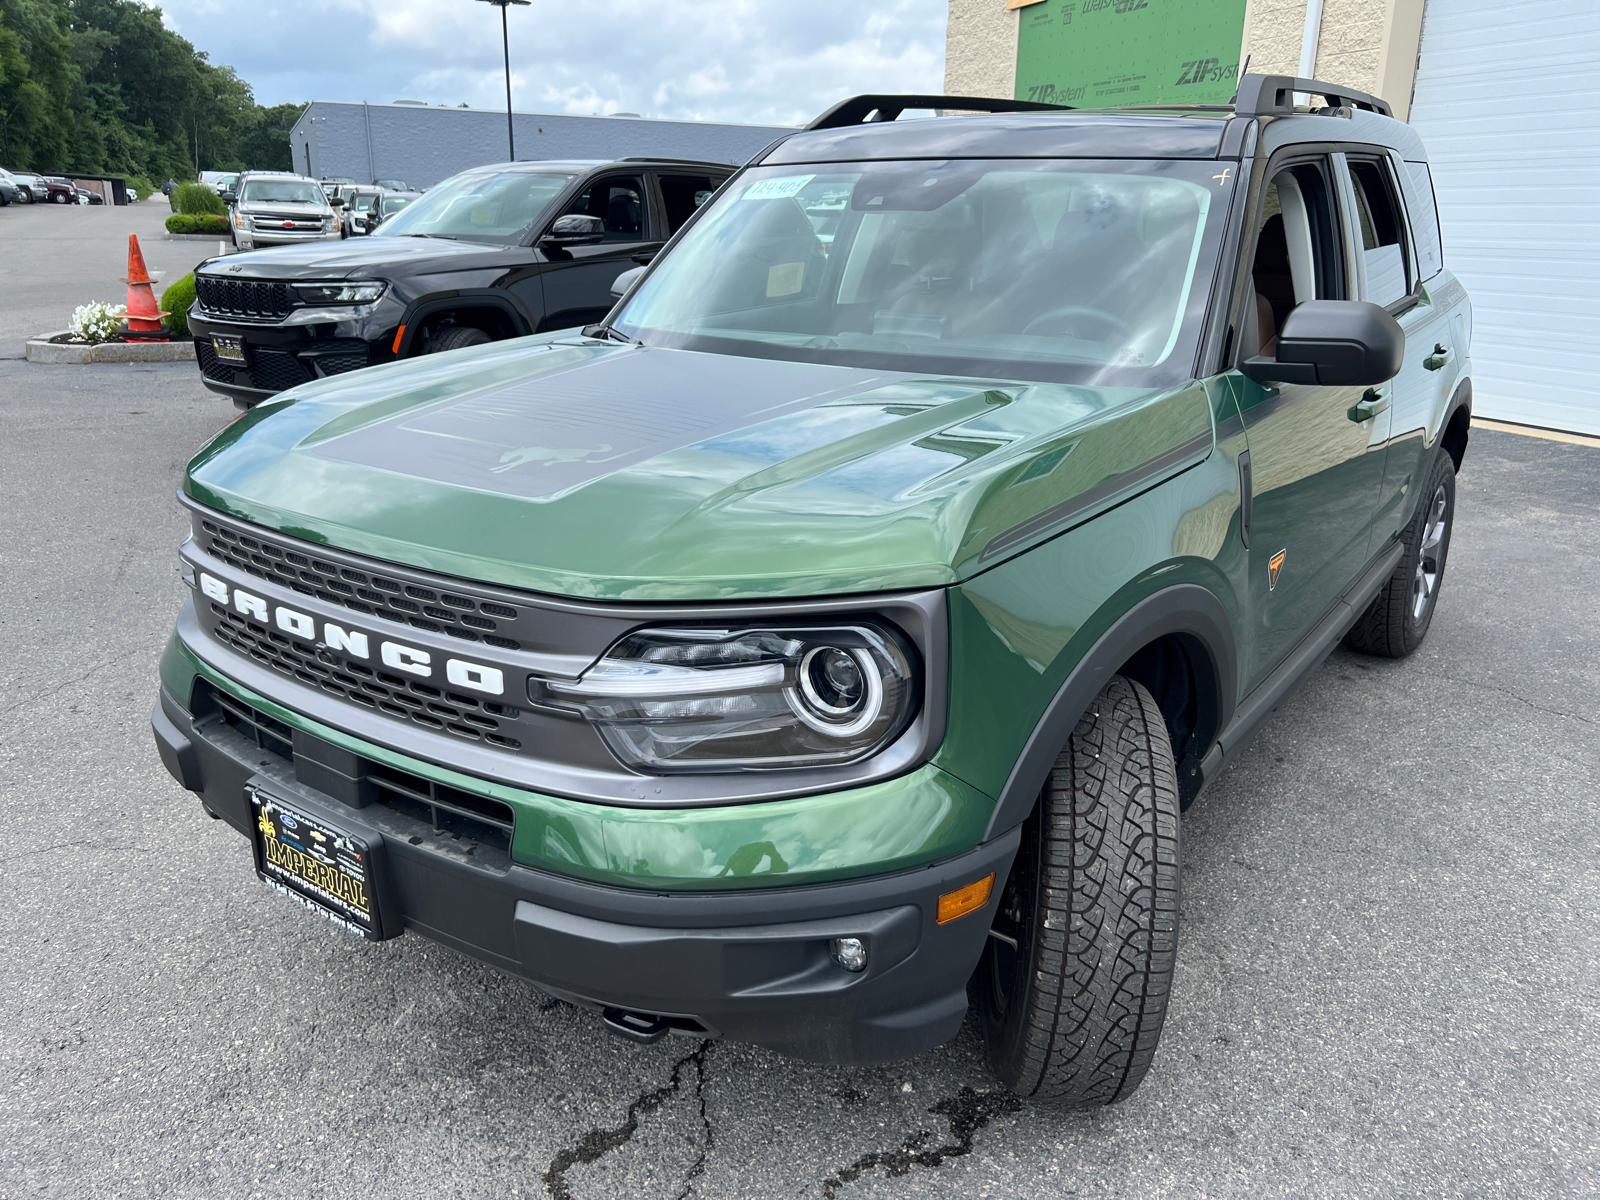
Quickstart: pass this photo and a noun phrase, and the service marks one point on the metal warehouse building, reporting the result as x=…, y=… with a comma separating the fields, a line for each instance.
x=1505, y=96
x=423, y=145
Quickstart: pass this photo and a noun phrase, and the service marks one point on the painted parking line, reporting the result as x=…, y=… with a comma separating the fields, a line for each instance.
x=1549, y=435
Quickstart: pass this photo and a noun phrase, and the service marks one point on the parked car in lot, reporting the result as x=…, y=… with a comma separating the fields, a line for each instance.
x=493, y=253
x=836, y=632
x=389, y=204
x=272, y=209
x=391, y=185
x=33, y=187
x=360, y=203
x=59, y=190
x=11, y=189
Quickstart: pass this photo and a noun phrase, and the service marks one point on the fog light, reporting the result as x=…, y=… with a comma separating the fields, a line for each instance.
x=850, y=953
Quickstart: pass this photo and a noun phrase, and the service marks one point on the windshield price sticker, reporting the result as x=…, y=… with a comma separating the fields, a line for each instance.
x=777, y=189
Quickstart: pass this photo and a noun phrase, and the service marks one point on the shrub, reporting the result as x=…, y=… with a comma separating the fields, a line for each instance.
x=182, y=223
x=177, y=297
x=141, y=185
x=196, y=198
x=210, y=223
x=98, y=322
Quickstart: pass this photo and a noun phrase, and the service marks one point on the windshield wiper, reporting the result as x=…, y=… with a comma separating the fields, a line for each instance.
x=609, y=334
x=447, y=237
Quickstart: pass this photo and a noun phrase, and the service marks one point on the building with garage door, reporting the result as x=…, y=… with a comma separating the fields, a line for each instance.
x=1505, y=96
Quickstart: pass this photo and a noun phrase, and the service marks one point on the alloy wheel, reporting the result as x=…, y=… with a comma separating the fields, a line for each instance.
x=1425, y=583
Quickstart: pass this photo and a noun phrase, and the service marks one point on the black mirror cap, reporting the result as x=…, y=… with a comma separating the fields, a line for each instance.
x=230, y=197
x=576, y=229
x=1336, y=343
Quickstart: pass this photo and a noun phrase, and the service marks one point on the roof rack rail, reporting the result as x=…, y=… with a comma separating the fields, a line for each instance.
x=869, y=110
x=1273, y=96
x=683, y=162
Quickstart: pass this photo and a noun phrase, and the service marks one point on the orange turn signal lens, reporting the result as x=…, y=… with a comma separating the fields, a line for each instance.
x=398, y=334
x=964, y=900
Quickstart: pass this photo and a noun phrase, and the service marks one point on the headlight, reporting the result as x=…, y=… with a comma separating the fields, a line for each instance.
x=339, y=293
x=714, y=700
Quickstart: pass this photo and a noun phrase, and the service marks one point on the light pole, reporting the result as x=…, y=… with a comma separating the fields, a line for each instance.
x=505, y=38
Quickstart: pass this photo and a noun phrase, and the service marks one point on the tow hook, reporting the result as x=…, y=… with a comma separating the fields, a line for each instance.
x=635, y=1026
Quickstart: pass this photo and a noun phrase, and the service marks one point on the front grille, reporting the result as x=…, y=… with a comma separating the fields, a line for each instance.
x=338, y=364
x=210, y=365
x=447, y=811
x=259, y=553
x=249, y=299
x=275, y=370
x=400, y=699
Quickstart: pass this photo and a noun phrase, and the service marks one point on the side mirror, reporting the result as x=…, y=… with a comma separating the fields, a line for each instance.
x=230, y=197
x=621, y=284
x=335, y=201
x=575, y=229
x=1338, y=343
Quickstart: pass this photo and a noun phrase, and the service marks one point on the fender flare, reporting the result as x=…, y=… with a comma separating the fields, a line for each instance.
x=418, y=310
x=1186, y=609
x=1460, y=399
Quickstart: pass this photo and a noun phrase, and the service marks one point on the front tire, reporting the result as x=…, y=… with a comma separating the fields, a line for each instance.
x=1397, y=620
x=1073, y=986
x=457, y=337
x=59, y=198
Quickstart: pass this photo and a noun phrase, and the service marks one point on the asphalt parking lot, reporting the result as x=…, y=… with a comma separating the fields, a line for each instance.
x=55, y=257
x=1388, y=983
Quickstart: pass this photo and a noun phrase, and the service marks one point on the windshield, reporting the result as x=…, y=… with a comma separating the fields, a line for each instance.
x=393, y=204
x=1068, y=270
x=500, y=207
x=280, y=191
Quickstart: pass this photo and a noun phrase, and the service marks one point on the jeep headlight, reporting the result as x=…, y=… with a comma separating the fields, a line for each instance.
x=339, y=293
x=715, y=700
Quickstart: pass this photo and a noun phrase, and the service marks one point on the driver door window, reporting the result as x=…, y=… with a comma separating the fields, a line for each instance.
x=620, y=203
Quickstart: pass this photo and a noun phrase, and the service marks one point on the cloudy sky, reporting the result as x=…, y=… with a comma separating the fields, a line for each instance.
x=756, y=61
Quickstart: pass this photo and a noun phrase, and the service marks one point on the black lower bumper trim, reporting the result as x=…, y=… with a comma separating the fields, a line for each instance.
x=754, y=965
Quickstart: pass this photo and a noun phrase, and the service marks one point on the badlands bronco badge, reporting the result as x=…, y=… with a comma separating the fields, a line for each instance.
x=1274, y=565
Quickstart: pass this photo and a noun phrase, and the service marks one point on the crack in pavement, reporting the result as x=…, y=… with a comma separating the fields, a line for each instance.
x=1505, y=691
x=599, y=1142
x=968, y=1111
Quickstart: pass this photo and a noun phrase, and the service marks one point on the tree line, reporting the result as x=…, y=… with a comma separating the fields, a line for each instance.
x=101, y=87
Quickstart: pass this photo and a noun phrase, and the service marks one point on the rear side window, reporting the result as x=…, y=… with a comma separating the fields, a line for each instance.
x=682, y=194
x=1383, y=252
x=1424, y=218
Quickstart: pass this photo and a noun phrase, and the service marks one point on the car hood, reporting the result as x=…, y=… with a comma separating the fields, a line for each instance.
x=323, y=260
x=588, y=469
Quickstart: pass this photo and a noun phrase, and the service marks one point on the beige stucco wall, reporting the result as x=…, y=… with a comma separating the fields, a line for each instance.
x=1369, y=45
x=980, y=56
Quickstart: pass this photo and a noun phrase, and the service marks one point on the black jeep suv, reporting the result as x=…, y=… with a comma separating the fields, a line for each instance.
x=495, y=252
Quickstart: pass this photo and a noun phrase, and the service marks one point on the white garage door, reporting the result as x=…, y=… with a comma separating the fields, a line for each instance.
x=1508, y=103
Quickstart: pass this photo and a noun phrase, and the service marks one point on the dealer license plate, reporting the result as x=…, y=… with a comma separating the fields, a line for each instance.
x=229, y=349
x=312, y=862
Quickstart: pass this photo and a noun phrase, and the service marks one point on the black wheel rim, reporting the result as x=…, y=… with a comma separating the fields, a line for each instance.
x=1011, y=936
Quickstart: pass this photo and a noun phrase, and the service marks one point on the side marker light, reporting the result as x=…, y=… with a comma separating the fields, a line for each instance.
x=398, y=334
x=965, y=900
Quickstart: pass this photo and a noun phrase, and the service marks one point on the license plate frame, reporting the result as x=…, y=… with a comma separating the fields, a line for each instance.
x=316, y=863
x=229, y=348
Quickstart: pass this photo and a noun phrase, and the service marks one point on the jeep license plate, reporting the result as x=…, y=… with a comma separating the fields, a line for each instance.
x=229, y=349
x=309, y=860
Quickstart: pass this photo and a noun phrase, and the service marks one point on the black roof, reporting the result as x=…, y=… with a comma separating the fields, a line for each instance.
x=1060, y=134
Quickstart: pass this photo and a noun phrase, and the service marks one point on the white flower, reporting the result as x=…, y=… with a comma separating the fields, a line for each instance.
x=98, y=322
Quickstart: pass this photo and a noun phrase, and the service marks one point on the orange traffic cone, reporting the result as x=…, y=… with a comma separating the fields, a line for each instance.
x=144, y=317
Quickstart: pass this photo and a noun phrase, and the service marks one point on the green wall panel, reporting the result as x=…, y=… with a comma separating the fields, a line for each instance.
x=1095, y=53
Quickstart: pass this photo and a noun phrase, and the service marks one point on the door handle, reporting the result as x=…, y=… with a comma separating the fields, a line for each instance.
x=1436, y=360
x=1372, y=403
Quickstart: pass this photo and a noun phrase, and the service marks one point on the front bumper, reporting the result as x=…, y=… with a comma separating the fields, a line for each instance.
x=749, y=964
x=313, y=344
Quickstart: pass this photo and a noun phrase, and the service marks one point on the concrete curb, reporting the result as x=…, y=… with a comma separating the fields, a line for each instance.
x=194, y=237
x=41, y=349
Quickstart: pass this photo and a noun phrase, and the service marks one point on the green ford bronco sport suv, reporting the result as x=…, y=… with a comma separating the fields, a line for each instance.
x=835, y=635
